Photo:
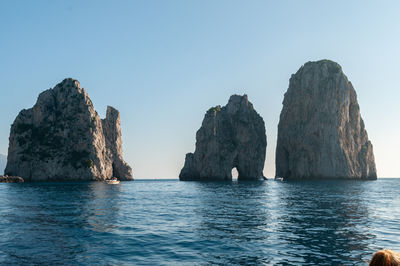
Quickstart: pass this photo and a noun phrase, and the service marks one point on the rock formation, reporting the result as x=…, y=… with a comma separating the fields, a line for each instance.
x=321, y=133
x=63, y=138
x=11, y=179
x=112, y=133
x=231, y=136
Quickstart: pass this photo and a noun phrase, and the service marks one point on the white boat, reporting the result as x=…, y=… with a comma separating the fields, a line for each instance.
x=112, y=181
x=278, y=178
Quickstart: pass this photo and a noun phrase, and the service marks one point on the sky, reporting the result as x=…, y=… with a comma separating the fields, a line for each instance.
x=164, y=63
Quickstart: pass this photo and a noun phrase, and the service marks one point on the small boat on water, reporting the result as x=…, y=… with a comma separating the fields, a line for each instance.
x=278, y=178
x=112, y=181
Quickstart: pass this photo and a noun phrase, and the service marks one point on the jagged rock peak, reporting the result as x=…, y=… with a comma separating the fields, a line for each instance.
x=321, y=133
x=62, y=138
x=69, y=82
x=230, y=136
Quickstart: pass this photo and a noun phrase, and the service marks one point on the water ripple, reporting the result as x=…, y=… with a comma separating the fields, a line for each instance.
x=186, y=223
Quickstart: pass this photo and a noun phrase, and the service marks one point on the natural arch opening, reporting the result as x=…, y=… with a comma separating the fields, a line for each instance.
x=235, y=174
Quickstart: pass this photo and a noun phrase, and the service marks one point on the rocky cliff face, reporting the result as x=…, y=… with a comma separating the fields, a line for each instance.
x=62, y=138
x=231, y=136
x=112, y=133
x=321, y=133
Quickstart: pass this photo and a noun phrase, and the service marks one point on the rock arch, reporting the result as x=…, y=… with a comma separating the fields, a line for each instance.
x=234, y=173
x=230, y=137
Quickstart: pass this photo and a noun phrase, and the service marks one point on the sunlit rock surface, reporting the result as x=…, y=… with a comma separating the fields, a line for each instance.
x=63, y=138
x=112, y=133
x=321, y=133
x=230, y=136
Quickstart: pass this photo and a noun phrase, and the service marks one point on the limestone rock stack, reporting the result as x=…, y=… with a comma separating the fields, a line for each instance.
x=112, y=133
x=63, y=138
x=321, y=133
x=230, y=136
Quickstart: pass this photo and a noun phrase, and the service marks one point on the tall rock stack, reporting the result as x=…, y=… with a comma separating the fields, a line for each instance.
x=62, y=138
x=321, y=133
x=112, y=133
x=230, y=136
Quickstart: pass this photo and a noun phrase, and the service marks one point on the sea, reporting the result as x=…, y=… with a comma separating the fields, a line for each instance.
x=168, y=222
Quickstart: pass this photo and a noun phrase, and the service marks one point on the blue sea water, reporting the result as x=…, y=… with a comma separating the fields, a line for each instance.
x=184, y=223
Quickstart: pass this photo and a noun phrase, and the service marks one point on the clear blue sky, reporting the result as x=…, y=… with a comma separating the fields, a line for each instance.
x=164, y=63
